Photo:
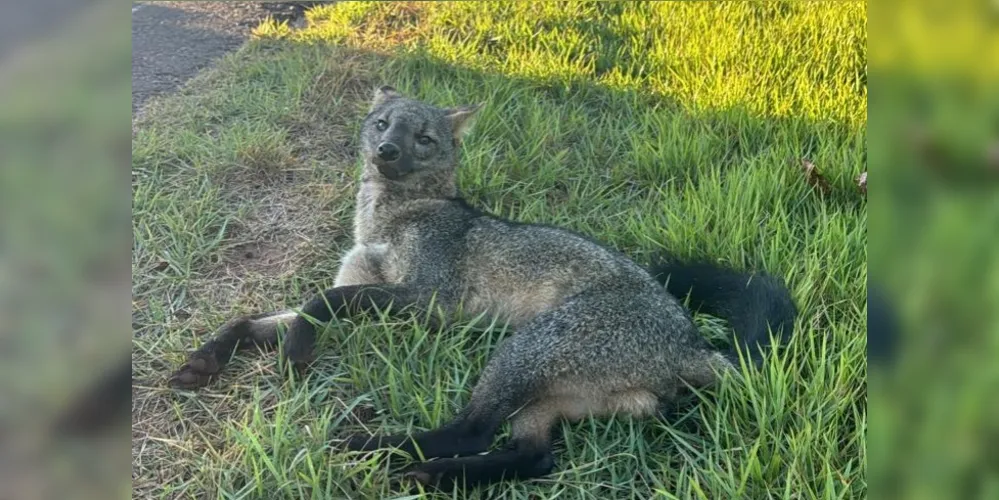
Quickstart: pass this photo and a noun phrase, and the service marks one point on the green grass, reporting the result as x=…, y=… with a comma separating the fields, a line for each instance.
x=648, y=126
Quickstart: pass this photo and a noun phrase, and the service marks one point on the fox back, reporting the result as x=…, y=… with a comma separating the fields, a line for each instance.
x=411, y=227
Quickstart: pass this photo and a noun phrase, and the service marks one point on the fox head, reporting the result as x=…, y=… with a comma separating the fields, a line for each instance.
x=404, y=140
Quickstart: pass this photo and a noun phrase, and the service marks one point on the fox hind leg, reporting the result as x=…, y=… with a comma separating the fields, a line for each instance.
x=545, y=373
x=510, y=380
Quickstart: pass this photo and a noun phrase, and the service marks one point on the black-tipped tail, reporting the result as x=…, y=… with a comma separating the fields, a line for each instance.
x=752, y=303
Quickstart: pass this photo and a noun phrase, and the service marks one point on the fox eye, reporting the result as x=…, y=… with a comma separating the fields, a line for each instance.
x=424, y=140
x=381, y=125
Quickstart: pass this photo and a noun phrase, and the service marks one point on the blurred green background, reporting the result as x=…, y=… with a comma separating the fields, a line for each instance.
x=934, y=227
x=934, y=219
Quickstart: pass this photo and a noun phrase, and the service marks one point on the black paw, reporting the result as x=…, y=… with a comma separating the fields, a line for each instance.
x=407, y=484
x=359, y=442
x=299, y=361
x=196, y=372
x=397, y=448
x=301, y=367
x=202, y=365
x=298, y=347
x=438, y=475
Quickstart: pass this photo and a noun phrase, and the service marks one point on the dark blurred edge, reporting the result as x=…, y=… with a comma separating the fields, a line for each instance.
x=882, y=327
x=28, y=22
x=64, y=245
x=105, y=404
x=934, y=227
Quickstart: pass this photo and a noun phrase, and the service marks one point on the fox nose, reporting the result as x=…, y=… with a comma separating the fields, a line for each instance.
x=388, y=151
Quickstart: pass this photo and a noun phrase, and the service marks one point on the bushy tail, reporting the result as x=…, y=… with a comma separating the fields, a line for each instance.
x=753, y=304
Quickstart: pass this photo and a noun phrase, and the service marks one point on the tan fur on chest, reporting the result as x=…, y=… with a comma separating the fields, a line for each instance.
x=364, y=265
x=364, y=214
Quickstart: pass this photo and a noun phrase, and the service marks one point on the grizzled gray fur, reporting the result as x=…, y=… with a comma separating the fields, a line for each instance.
x=596, y=334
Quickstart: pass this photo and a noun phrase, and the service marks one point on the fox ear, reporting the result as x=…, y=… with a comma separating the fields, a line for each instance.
x=384, y=94
x=461, y=118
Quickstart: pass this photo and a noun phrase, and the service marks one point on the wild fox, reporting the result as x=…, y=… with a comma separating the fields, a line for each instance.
x=596, y=334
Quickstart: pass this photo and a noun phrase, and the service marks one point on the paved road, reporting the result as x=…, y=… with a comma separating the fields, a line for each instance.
x=172, y=41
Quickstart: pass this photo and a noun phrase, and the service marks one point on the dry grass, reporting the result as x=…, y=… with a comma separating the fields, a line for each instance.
x=281, y=198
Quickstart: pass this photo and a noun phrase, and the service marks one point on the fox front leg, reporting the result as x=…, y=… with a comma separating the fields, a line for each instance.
x=345, y=302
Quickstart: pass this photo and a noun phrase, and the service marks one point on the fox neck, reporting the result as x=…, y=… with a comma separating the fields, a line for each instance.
x=379, y=198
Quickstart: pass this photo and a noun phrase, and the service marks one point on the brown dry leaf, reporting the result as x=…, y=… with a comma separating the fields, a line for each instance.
x=992, y=156
x=862, y=183
x=813, y=177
